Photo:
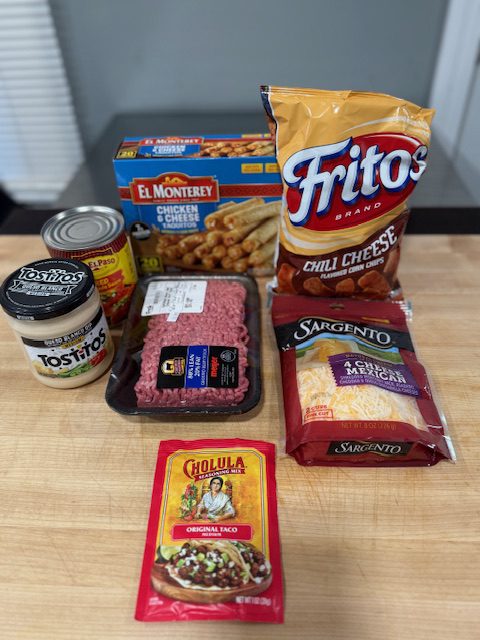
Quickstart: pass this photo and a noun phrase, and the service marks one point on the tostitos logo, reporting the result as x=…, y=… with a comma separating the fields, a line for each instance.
x=170, y=188
x=345, y=183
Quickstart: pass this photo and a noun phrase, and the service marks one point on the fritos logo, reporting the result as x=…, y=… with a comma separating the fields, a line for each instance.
x=209, y=467
x=174, y=188
x=345, y=183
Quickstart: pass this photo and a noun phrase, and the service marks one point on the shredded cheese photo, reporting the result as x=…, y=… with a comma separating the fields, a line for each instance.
x=318, y=392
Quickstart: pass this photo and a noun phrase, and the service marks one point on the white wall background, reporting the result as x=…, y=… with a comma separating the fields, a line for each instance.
x=190, y=55
x=40, y=146
x=456, y=91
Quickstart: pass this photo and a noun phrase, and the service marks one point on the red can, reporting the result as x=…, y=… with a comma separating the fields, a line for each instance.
x=96, y=236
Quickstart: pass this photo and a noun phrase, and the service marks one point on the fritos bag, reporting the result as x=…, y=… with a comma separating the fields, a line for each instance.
x=212, y=549
x=354, y=392
x=348, y=162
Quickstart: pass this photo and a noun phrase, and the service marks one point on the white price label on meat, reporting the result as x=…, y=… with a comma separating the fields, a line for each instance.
x=174, y=297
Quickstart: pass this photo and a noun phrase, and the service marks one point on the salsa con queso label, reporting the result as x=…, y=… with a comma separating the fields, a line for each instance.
x=70, y=354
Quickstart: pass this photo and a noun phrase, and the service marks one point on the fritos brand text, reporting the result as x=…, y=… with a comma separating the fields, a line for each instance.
x=333, y=177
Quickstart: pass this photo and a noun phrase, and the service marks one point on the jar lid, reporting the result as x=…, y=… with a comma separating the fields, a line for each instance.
x=46, y=289
x=82, y=228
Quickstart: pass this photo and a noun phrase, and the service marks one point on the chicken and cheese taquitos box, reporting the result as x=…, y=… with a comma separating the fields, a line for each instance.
x=203, y=203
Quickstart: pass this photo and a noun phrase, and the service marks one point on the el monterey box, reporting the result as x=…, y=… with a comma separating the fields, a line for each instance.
x=209, y=202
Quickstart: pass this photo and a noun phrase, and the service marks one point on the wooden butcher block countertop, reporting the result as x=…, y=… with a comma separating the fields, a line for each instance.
x=368, y=554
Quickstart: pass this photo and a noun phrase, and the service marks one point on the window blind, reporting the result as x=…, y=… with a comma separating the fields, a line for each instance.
x=40, y=146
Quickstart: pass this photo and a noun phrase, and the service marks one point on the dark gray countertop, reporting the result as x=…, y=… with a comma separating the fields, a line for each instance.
x=94, y=182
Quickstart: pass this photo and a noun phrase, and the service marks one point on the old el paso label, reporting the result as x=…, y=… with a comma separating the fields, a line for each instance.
x=372, y=174
x=358, y=447
x=197, y=367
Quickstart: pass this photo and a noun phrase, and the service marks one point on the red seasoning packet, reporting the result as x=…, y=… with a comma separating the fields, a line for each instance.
x=212, y=550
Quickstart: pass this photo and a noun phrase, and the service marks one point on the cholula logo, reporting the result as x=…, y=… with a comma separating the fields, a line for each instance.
x=346, y=183
x=170, y=188
x=199, y=469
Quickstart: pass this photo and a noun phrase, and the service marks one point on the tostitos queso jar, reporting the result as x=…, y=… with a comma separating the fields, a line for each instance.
x=54, y=309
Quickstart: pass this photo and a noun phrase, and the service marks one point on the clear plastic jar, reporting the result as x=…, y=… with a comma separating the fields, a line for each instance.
x=55, y=311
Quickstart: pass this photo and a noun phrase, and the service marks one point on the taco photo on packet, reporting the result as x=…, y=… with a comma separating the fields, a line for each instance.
x=212, y=549
x=211, y=571
x=354, y=391
x=348, y=161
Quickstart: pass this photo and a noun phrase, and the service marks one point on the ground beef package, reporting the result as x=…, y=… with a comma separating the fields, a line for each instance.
x=191, y=345
x=348, y=162
x=212, y=549
x=354, y=391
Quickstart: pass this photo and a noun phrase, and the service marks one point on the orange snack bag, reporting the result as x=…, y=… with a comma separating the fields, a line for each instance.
x=348, y=160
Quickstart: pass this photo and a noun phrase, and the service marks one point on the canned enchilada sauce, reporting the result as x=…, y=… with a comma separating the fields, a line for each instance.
x=96, y=236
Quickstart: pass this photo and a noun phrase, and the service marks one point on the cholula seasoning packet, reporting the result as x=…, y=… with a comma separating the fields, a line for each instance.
x=212, y=549
x=348, y=161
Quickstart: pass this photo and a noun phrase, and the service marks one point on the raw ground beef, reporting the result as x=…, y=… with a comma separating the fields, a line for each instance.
x=220, y=323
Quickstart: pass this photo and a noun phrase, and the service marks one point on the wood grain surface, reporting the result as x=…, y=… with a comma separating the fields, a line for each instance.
x=368, y=554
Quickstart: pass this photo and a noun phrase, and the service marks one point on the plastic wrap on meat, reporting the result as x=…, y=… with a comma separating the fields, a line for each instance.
x=220, y=323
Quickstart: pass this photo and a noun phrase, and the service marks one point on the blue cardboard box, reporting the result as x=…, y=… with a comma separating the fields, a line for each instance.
x=200, y=202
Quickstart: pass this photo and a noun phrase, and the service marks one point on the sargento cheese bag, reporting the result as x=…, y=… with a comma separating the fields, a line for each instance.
x=348, y=161
x=212, y=549
x=354, y=392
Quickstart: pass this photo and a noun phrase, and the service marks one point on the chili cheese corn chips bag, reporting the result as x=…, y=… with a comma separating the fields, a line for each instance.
x=348, y=162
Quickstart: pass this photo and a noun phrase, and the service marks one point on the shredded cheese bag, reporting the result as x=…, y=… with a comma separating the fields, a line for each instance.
x=348, y=160
x=354, y=391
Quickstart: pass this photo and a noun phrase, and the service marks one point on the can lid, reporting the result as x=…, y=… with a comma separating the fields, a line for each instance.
x=82, y=228
x=46, y=289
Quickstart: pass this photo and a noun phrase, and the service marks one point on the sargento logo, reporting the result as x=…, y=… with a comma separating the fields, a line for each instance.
x=209, y=467
x=174, y=188
x=356, y=447
x=349, y=182
x=309, y=327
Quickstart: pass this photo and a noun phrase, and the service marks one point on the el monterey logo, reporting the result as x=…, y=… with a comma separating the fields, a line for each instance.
x=169, y=140
x=367, y=175
x=173, y=187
